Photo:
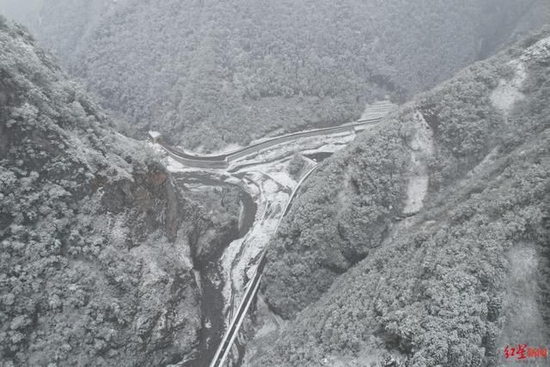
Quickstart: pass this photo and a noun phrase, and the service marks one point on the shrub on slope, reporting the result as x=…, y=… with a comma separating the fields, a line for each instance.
x=89, y=229
x=236, y=70
x=435, y=291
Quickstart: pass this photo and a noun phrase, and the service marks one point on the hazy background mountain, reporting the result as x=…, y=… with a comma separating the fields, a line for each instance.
x=236, y=70
x=425, y=242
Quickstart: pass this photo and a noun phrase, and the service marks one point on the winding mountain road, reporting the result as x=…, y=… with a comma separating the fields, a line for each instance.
x=222, y=161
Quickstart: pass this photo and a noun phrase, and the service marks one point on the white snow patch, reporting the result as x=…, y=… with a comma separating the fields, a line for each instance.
x=421, y=150
x=229, y=148
x=270, y=187
x=174, y=166
x=329, y=148
x=521, y=303
x=487, y=162
x=155, y=147
x=311, y=144
x=154, y=134
x=272, y=323
x=539, y=50
x=238, y=258
x=268, y=182
x=377, y=109
x=508, y=92
x=345, y=196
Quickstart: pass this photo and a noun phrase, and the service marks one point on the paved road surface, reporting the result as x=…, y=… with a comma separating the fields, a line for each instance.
x=222, y=161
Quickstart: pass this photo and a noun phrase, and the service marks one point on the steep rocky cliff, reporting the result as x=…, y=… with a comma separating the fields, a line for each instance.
x=95, y=261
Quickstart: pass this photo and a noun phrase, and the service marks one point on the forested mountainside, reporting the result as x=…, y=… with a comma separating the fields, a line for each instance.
x=426, y=241
x=236, y=70
x=95, y=261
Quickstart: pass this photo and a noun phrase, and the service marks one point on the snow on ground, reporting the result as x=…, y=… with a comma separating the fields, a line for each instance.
x=335, y=142
x=155, y=147
x=199, y=150
x=261, y=140
x=508, y=91
x=174, y=166
x=154, y=134
x=271, y=323
x=484, y=165
x=377, y=109
x=523, y=319
x=374, y=110
x=238, y=258
x=257, y=141
x=539, y=50
x=268, y=182
x=314, y=144
x=277, y=172
x=421, y=150
x=328, y=148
